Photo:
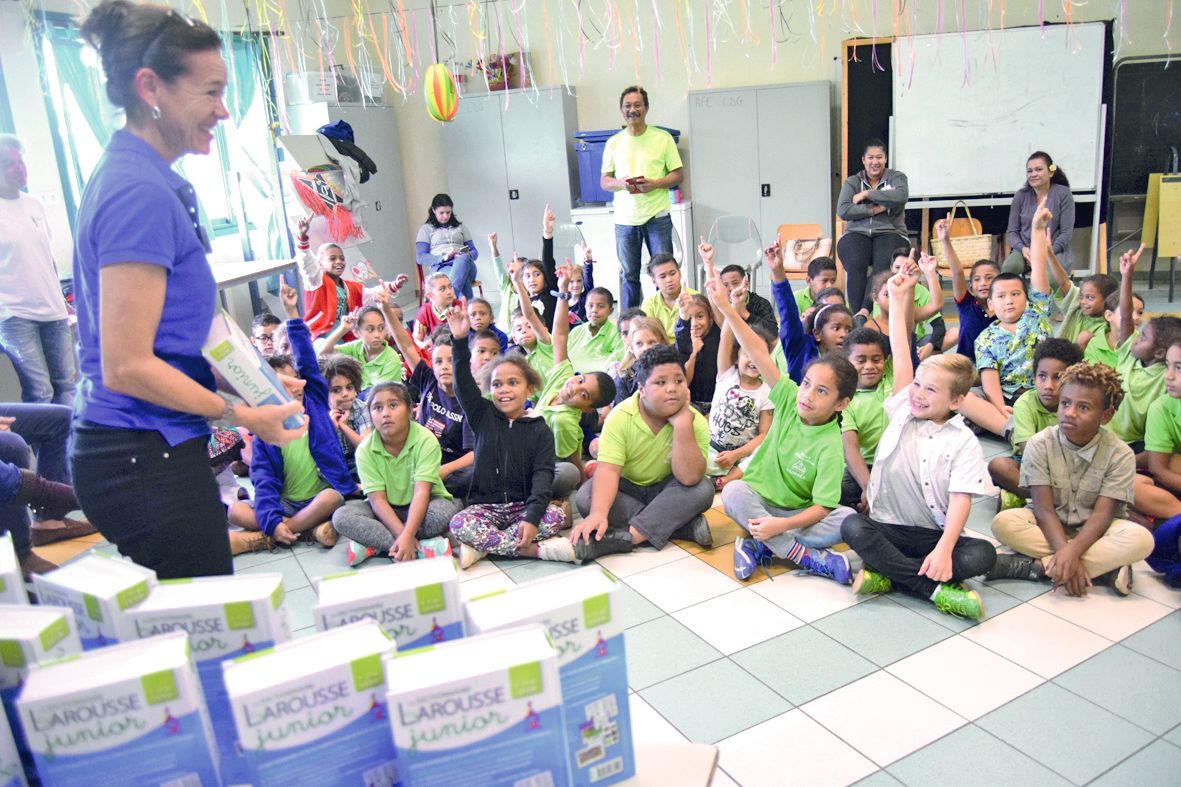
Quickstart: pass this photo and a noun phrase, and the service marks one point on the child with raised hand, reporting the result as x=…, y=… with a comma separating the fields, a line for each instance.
x=864, y=420
x=582, y=281
x=697, y=339
x=752, y=307
x=1034, y=410
x=1140, y=359
x=664, y=304
x=929, y=330
x=1004, y=350
x=438, y=408
x=504, y=279
x=970, y=293
x=911, y=536
x=509, y=511
x=1081, y=476
x=479, y=314
x=788, y=498
x=380, y=363
x=822, y=334
x=406, y=502
x=297, y=487
x=1103, y=344
x=565, y=396
x=440, y=296
x=596, y=343
x=741, y=412
x=644, y=332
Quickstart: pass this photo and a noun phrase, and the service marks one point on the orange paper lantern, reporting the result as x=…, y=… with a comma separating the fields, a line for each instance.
x=442, y=95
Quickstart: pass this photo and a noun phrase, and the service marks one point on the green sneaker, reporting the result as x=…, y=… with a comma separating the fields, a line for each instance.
x=1010, y=500
x=958, y=600
x=870, y=582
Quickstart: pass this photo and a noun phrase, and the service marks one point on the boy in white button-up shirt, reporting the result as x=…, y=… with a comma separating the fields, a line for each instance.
x=912, y=537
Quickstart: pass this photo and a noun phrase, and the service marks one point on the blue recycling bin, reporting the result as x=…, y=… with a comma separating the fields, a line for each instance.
x=589, y=148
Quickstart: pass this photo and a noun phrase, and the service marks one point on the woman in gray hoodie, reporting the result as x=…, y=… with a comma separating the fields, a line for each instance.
x=873, y=205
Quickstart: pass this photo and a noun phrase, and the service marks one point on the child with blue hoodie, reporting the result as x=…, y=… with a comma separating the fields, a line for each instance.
x=299, y=486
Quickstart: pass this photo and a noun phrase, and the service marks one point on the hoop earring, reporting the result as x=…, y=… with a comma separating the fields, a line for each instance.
x=156, y=114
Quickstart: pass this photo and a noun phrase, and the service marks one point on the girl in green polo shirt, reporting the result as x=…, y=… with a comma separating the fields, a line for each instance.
x=380, y=363
x=407, y=508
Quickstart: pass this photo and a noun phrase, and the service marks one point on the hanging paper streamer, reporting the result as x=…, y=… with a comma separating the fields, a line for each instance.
x=875, y=64
x=709, y=62
x=1168, y=27
x=657, y=28
x=964, y=39
x=771, y=7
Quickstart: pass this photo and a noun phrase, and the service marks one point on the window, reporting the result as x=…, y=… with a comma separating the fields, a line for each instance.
x=237, y=184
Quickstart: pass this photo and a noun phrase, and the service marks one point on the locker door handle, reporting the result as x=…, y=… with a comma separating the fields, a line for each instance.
x=514, y=194
x=766, y=189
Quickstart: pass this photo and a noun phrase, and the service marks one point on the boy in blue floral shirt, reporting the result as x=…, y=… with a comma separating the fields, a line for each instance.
x=1004, y=350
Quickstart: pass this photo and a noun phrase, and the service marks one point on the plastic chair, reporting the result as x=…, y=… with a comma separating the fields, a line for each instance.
x=736, y=241
x=786, y=234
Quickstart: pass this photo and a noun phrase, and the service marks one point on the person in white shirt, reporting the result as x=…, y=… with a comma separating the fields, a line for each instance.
x=34, y=326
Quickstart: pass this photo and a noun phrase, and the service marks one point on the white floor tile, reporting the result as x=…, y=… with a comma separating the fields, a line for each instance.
x=481, y=568
x=721, y=779
x=754, y=757
x=681, y=583
x=807, y=597
x=983, y=536
x=1103, y=612
x=967, y=678
x=1152, y=585
x=485, y=584
x=640, y=559
x=737, y=620
x=882, y=717
x=648, y=726
x=1038, y=641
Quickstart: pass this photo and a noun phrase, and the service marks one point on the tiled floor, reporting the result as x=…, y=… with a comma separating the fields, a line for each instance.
x=798, y=681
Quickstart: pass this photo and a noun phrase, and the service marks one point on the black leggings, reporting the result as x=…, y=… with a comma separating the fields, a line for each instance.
x=857, y=253
x=158, y=503
x=898, y=551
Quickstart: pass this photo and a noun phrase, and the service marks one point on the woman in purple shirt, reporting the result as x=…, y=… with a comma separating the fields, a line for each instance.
x=146, y=297
x=1043, y=178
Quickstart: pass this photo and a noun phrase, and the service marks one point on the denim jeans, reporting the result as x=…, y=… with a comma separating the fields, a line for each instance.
x=657, y=233
x=14, y=520
x=45, y=427
x=461, y=271
x=43, y=355
x=158, y=503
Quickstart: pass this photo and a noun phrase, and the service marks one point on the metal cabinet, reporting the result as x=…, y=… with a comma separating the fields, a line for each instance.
x=508, y=154
x=763, y=153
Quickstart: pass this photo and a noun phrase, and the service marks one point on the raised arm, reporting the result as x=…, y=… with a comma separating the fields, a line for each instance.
x=959, y=282
x=750, y=341
x=901, y=289
x=1039, y=276
x=347, y=323
x=309, y=266
x=561, y=334
x=725, y=346
x=929, y=265
x=402, y=337
x=791, y=330
x=471, y=399
x=1127, y=269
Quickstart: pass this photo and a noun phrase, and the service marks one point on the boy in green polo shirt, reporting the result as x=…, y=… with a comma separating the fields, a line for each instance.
x=1033, y=411
x=822, y=274
x=664, y=304
x=565, y=396
x=380, y=363
x=596, y=344
x=650, y=483
x=406, y=501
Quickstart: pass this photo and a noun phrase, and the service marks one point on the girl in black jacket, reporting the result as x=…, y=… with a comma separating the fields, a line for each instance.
x=509, y=511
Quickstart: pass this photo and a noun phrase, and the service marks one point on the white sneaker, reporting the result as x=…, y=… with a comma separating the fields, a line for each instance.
x=558, y=549
x=468, y=556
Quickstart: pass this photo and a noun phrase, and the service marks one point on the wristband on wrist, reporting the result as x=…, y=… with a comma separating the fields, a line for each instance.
x=225, y=418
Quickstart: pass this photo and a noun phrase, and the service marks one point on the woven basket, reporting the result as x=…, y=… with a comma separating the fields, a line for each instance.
x=799, y=252
x=968, y=248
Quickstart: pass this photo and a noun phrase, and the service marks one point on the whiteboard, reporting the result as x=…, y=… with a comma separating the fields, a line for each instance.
x=1028, y=89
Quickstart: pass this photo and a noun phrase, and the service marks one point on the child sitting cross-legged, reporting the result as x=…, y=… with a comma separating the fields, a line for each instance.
x=928, y=467
x=407, y=507
x=789, y=496
x=741, y=413
x=565, y=395
x=1033, y=411
x=596, y=343
x=508, y=504
x=1162, y=444
x=299, y=486
x=864, y=420
x=643, y=332
x=1081, y=478
x=380, y=363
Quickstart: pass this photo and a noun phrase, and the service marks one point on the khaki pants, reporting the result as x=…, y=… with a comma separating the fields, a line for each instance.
x=1123, y=544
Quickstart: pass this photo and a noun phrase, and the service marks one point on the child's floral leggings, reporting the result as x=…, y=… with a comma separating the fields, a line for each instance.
x=493, y=527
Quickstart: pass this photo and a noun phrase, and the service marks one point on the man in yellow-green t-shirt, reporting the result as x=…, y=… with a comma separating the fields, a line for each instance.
x=640, y=164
